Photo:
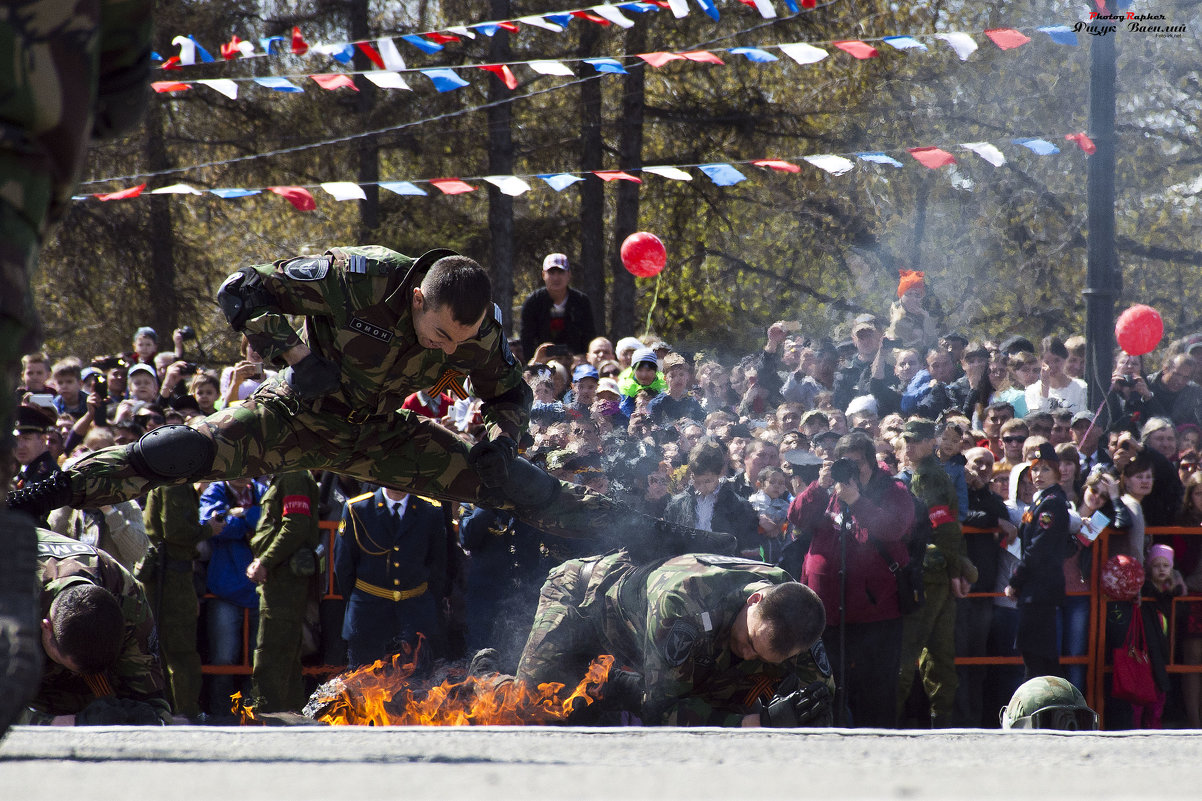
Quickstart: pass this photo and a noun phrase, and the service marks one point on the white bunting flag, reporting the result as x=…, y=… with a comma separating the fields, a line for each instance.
x=344, y=190
x=835, y=165
x=987, y=152
x=508, y=184
x=803, y=53
x=672, y=173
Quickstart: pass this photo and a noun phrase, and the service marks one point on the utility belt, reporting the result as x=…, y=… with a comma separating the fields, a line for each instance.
x=330, y=405
x=392, y=595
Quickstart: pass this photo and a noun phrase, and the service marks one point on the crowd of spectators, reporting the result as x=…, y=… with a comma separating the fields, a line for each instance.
x=749, y=446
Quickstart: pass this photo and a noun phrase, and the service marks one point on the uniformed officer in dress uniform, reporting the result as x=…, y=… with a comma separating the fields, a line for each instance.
x=390, y=564
x=1038, y=578
x=33, y=452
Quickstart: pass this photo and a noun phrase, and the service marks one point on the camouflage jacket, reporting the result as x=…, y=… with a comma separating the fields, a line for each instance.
x=357, y=305
x=289, y=520
x=172, y=520
x=673, y=624
x=63, y=563
x=947, y=555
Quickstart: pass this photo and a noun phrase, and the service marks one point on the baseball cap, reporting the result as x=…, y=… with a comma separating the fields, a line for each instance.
x=556, y=261
x=866, y=321
x=141, y=367
x=1015, y=344
x=584, y=371
x=609, y=385
x=88, y=372
x=627, y=343
x=645, y=355
x=918, y=429
x=954, y=336
x=674, y=360
x=1081, y=417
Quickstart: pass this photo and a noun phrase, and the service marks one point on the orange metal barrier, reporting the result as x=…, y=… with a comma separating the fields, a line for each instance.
x=1095, y=659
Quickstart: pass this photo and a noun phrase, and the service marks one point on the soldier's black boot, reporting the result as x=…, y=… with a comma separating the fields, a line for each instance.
x=42, y=497
x=20, y=645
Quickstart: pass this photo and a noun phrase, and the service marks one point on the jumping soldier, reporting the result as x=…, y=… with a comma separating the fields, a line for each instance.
x=378, y=326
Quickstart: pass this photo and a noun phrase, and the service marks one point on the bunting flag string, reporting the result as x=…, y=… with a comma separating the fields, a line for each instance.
x=719, y=173
x=433, y=41
x=390, y=64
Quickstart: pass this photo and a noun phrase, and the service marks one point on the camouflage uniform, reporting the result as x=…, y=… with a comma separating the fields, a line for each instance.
x=356, y=303
x=929, y=632
x=669, y=621
x=283, y=542
x=172, y=517
x=64, y=563
x=69, y=69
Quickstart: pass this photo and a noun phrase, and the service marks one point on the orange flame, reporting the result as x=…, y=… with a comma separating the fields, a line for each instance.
x=246, y=712
x=381, y=695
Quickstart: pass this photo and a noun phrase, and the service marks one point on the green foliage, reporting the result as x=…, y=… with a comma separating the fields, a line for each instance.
x=1003, y=247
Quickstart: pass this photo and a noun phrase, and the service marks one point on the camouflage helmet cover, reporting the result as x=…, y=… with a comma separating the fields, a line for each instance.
x=1048, y=702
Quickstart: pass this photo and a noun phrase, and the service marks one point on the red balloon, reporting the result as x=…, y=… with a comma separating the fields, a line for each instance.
x=1139, y=329
x=643, y=254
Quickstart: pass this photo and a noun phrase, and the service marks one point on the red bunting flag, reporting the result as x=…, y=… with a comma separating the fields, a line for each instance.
x=857, y=48
x=809, y=3
x=230, y=49
x=659, y=59
x=299, y=45
x=122, y=194
x=504, y=73
x=932, y=157
x=510, y=26
x=442, y=38
x=616, y=175
x=453, y=186
x=703, y=56
x=171, y=63
x=298, y=196
x=334, y=81
x=169, y=86
x=590, y=17
x=1083, y=142
x=779, y=166
x=1007, y=38
x=366, y=49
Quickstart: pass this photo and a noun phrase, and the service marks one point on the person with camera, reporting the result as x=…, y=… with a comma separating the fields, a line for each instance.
x=852, y=512
x=929, y=632
x=556, y=312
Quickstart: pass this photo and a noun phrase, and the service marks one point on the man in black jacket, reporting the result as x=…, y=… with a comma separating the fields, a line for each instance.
x=557, y=313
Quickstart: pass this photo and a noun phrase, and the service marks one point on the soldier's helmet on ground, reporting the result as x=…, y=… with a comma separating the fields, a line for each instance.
x=1048, y=702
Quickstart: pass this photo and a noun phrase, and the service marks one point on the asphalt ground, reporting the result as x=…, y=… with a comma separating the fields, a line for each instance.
x=324, y=763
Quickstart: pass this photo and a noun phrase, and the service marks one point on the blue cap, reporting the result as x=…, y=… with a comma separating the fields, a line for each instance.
x=585, y=371
x=644, y=355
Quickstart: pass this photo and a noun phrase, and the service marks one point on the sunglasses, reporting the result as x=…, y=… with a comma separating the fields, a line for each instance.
x=1014, y=440
x=1187, y=467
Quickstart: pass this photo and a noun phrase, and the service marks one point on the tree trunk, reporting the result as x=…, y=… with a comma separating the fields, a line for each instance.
x=367, y=147
x=589, y=276
x=164, y=303
x=500, y=162
x=630, y=157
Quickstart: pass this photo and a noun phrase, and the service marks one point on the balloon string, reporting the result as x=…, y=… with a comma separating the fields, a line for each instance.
x=654, y=300
x=1097, y=412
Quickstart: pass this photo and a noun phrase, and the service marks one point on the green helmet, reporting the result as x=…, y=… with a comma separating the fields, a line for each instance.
x=1048, y=702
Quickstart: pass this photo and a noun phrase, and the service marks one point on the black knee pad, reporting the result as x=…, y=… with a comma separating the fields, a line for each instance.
x=173, y=451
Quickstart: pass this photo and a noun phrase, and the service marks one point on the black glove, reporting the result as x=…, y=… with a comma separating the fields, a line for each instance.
x=624, y=688
x=491, y=460
x=111, y=711
x=313, y=377
x=809, y=706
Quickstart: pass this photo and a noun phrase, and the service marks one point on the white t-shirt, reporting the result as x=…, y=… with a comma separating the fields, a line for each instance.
x=1072, y=397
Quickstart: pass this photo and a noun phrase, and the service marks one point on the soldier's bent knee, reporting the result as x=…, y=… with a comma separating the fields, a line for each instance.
x=173, y=451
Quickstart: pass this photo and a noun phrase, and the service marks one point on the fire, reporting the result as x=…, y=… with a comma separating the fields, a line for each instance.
x=243, y=710
x=382, y=695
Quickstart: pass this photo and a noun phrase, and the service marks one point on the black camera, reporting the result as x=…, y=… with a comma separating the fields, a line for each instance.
x=186, y=333
x=844, y=471
x=101, y=387
x=1125, y=381
x=189, y=368
x=886, y=342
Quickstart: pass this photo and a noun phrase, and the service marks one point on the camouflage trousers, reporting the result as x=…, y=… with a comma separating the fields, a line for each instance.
x=565, y=635
x=277, y=683
x=272, y=431
x=929, y=645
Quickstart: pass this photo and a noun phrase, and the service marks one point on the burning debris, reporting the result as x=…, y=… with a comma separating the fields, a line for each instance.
x=387, y=694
